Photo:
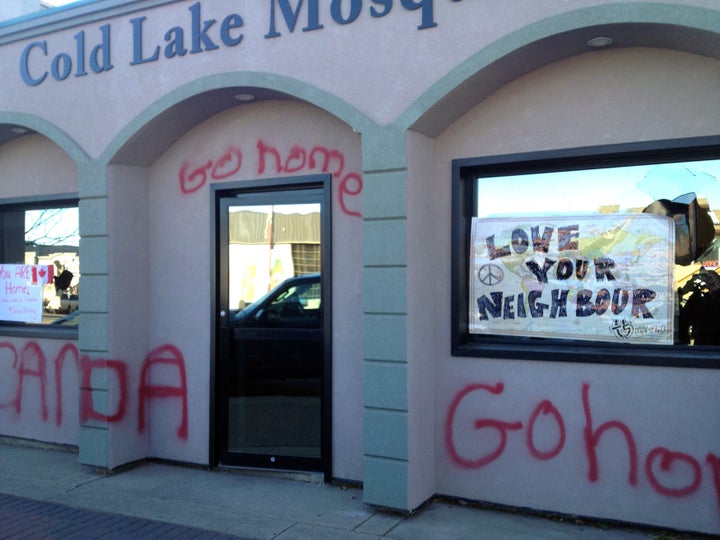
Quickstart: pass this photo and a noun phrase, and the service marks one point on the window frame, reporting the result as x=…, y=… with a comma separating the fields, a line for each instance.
x=35, y=330
x=464, y=173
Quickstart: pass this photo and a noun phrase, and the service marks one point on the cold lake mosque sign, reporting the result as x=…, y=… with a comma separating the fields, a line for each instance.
x=39, y=60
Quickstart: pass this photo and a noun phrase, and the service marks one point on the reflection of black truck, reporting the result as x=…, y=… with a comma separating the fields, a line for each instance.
x=276, y=342
x=699, y=298
x=295, y=303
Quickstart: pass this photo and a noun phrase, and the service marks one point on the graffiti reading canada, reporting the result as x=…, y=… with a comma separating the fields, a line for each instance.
x=580, y=277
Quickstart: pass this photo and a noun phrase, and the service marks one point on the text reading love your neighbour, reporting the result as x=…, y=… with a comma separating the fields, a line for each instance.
x=595, y=277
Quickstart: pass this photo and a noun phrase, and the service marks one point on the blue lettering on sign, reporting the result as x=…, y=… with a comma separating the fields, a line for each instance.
x=38, y=61
x=291, y=16
x=25, y=59
x=61, y=65
x=202, y=36
x=138, y=56
x=342, y=12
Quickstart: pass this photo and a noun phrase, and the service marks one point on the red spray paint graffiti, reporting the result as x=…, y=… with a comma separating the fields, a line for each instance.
x=592, y=439
x=87, y=409
x=11, y=349
x=32, y=354
x=667, y=461
x=501, y=427
x=31, y=365
x=168, y=355
x=270, y=161
x=68, y=350
x=669, y=473
x=546, y=408
x=191, y=180
x=714, y=462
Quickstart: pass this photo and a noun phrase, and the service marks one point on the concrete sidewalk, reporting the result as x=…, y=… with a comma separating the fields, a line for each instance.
x=234, y=504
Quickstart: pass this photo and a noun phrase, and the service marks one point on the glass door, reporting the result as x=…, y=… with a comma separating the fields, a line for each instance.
x=271, y=362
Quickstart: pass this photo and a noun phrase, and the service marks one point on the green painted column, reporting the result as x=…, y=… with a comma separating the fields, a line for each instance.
x=385, y=468
x=93, y=330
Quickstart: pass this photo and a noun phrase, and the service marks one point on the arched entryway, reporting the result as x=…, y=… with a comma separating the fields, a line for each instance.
x=166, y=177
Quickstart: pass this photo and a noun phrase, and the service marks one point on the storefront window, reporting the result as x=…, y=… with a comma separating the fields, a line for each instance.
x=39, y=264
x=614, y=250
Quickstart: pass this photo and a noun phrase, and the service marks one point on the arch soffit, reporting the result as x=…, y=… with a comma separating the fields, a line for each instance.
x=34, y=124
x=669, y=26
x=159, y=126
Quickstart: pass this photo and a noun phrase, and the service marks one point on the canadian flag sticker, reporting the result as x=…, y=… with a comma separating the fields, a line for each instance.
x=41, y=275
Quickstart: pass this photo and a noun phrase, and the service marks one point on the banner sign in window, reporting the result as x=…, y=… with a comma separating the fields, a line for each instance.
x=600, y=277
x=21, y=291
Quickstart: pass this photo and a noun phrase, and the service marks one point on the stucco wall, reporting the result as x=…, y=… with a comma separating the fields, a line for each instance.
x=610, y=97
x=24, y=175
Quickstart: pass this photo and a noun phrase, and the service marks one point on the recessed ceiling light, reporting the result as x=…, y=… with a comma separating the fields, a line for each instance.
x=600, y=41
x=244, y=97
x=19, y=130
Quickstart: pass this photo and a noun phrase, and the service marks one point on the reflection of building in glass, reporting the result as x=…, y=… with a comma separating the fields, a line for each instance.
x=60, y=296
x=267, y=248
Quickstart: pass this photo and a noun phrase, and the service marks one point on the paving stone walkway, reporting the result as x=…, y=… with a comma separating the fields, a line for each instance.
x=28, y=519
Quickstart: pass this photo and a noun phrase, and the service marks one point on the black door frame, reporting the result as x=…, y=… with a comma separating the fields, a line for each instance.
x=321, y=183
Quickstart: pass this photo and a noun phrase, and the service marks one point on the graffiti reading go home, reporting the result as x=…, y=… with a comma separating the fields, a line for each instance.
x=201, y=34
x=195, y=173
x=669, y=473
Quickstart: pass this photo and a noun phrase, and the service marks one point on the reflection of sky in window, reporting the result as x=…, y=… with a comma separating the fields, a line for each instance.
x=586, y=191
x=52, y=227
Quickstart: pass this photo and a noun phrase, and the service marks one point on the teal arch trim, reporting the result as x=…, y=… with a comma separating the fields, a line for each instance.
x=151, y=118
x=48, y=130
x=632, y=24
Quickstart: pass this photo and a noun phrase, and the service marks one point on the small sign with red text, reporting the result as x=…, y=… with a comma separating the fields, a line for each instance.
x=21, y=287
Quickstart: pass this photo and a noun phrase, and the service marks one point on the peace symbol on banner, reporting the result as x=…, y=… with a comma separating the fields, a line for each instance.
x=490, y=274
